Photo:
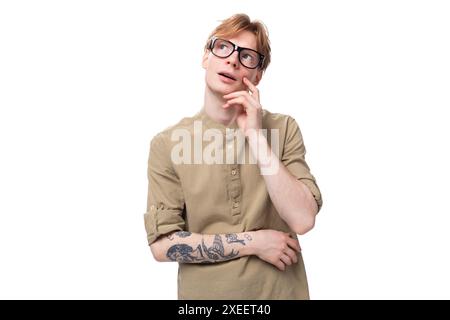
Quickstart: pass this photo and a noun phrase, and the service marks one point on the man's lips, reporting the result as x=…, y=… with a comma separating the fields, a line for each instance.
x=227, y=75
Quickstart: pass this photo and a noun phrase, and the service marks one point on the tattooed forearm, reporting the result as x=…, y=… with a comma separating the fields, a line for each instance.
x=185, y=252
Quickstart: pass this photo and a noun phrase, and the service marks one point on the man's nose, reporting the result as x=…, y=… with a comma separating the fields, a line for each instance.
x=234, y=59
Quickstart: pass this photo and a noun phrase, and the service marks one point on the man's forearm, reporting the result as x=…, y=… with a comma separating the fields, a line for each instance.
x=187, y=247
x=292, y=199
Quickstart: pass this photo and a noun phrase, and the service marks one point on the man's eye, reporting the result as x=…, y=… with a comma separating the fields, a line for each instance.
x=248, y=57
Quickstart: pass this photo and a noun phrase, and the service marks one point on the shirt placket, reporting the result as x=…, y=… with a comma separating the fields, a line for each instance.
x=234, y=181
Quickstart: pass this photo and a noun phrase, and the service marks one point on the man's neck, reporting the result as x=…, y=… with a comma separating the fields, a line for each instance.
x=213, y=107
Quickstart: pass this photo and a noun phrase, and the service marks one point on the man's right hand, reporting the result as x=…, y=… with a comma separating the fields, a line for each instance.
x=276, y=247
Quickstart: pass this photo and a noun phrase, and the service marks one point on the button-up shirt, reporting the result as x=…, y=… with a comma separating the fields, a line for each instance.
x=224, y=197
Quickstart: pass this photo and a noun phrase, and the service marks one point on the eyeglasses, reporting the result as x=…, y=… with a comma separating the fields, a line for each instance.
x=249, y=58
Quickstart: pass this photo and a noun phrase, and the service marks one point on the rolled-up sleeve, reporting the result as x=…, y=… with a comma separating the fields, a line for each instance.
x=293, y=157
x=165, y=201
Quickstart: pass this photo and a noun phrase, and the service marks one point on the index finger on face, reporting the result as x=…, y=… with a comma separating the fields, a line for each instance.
x=253, y=89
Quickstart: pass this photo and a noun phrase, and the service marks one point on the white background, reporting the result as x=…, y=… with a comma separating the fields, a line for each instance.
x=85, y=85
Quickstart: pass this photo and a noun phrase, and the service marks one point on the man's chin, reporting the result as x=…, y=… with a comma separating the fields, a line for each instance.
x=220, y=89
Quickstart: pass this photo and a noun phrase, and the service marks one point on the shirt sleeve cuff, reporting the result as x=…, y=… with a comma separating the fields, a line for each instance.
x=312, y=186
x=162, y=221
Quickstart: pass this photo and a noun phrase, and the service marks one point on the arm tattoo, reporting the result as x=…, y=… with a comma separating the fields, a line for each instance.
x=184, y=253
x=217, y=251
x=181, y=234
x=232, y=237
x=181, y=253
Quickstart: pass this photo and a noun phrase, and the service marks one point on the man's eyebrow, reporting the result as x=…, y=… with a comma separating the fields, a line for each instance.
x=248, y=47
x=240, y=45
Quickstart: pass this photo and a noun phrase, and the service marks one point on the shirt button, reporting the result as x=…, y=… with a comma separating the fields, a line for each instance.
x=235, y=204
x=233, y=172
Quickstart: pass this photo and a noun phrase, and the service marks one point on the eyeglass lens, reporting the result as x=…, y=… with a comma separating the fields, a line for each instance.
x=248, y=58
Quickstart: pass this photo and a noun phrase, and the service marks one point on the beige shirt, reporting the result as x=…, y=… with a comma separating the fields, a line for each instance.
x=225, y=198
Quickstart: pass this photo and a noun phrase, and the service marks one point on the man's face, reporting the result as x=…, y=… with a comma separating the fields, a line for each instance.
x=231, y=65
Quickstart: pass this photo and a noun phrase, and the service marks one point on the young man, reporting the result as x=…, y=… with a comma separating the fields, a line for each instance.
x=232, y=224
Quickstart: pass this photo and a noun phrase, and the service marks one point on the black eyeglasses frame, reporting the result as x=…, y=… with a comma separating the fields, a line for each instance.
x=235, y=48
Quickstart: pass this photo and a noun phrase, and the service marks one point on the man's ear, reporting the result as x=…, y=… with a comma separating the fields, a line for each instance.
x=205, y=59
